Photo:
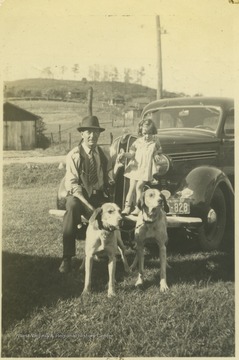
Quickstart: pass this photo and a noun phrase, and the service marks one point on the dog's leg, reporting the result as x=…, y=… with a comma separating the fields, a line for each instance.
x=88, y=270
x=135, y=262
x=111, y=269
x=121, y=249
x=140, y=256
x=163, y=264
x=124, y=260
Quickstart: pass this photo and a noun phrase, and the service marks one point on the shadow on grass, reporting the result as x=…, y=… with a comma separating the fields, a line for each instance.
x=190, y=269
x=30, y=282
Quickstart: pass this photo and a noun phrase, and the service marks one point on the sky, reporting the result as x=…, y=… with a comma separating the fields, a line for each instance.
x=199, y=47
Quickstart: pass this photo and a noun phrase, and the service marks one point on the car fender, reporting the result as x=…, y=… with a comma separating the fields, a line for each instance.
x=61, y=195
x=202, y=181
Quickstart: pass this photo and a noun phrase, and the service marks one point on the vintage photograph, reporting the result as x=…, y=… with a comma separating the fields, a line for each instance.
x=118, y=169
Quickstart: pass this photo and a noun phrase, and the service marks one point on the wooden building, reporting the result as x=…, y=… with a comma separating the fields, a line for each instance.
x=19, y=128
x=118, y=100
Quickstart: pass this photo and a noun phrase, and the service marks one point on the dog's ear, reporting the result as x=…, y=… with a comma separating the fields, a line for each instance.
x=165, y=204
x=95, y=218
x=140, y=202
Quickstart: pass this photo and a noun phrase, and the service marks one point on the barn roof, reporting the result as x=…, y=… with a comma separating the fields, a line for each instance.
x=12, y=112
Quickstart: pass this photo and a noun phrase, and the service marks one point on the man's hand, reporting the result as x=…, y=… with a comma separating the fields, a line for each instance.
x=81, y=197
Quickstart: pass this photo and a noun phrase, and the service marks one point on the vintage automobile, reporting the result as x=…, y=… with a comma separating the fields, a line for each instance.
x=196, y=171
x=197, y=166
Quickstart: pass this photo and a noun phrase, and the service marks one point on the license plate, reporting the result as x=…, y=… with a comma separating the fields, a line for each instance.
x=179, y=206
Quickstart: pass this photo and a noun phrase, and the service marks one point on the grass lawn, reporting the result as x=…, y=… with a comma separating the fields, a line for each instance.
x=43, y=314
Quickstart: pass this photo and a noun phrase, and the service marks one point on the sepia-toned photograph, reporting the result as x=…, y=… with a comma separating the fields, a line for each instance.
x=118, y=169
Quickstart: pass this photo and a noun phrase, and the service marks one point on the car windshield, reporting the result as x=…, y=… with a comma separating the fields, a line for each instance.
x=196, y=117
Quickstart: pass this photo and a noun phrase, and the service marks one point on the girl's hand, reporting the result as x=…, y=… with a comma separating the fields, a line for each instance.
x=157, y=158
x=121, y=156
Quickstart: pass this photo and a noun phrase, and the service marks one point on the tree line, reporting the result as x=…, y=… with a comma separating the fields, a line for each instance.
x=96, y=72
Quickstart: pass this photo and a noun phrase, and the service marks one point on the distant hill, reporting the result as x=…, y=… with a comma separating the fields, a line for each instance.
x=102, y=90
x=62, y=89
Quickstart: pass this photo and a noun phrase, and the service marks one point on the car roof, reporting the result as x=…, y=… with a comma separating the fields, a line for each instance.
x=224, y=102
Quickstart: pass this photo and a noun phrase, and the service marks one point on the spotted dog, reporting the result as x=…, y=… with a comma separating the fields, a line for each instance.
x=103, y=236
x=152, y=224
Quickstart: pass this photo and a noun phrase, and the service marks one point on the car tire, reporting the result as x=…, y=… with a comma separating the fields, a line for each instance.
x=211, y=235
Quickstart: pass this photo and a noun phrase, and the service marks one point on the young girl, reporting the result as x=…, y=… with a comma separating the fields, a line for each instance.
x=144, y=155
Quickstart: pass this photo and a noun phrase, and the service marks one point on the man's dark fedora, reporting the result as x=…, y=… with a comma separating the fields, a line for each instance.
x=90, y=123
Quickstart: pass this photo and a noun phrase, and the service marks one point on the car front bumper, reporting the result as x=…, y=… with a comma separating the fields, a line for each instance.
x=175, y=221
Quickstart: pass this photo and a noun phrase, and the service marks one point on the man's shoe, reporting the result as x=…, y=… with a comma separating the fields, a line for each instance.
x=65, y=266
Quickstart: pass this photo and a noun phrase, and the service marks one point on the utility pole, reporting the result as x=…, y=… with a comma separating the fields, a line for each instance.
x=159, y=57
x=90, y=100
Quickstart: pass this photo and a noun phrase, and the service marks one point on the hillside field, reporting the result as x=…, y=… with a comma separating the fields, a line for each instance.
x=68, y=115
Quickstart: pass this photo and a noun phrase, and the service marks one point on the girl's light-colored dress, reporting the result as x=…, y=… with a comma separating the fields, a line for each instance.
x=142, y=166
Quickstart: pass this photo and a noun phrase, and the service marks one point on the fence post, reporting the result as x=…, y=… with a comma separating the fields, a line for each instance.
x=111, y=138
x=59, y=134
x=69, y=140
x=52, y=139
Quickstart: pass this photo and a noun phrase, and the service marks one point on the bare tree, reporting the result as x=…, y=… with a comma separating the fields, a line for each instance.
x=75, y=69
x=114, y=74
x=140, y=75
x=48, y=72
x=94, y=72
x=63, y=70
x=127, y=75
x=106, y=75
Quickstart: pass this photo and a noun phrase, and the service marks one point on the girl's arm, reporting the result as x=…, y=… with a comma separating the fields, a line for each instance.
x=158, y=150
x=130, y=154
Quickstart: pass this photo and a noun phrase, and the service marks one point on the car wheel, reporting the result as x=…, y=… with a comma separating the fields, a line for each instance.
x=211, y=233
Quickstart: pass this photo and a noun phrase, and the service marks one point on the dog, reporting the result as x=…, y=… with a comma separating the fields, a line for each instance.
x=152, y=223
x=103, y=236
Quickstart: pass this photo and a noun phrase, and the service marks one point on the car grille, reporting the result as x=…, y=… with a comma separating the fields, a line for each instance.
x=195, y=155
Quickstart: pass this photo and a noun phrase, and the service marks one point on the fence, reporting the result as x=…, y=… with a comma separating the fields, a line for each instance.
x=113, y=126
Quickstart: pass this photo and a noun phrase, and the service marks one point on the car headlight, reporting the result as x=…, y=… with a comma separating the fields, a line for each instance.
x=162, y=165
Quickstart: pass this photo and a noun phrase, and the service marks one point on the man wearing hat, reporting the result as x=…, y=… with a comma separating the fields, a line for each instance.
x=85, y=181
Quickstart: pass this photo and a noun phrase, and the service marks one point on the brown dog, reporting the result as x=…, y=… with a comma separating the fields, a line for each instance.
x=152, y=223
x=103, y=235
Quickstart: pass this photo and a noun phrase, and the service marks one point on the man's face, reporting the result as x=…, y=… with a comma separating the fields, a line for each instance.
x=90, y=137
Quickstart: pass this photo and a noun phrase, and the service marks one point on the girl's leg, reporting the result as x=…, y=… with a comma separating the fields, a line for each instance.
x=129, y=197
x=139, y=191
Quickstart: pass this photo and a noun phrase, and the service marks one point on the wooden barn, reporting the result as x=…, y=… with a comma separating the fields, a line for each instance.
x=19, y=128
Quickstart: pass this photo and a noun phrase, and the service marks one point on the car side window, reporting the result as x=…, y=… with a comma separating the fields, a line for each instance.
x=229, y=124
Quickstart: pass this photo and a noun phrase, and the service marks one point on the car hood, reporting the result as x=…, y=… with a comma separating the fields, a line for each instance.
x=186, y=137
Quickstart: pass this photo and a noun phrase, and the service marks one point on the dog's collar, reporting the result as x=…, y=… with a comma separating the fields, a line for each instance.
x=109, y=228
x=146, y=222
x=149, y=221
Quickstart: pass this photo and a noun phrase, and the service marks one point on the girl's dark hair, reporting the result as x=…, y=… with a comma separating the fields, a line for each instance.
x=151, y=125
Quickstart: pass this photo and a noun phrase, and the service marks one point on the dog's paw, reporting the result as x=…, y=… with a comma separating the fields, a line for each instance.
x=163, y=286
x=85, y=292
x=111, y=294
x=139, y=281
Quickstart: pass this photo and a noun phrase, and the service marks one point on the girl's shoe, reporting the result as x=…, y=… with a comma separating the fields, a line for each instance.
x=126, y=210
x=136, y=211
